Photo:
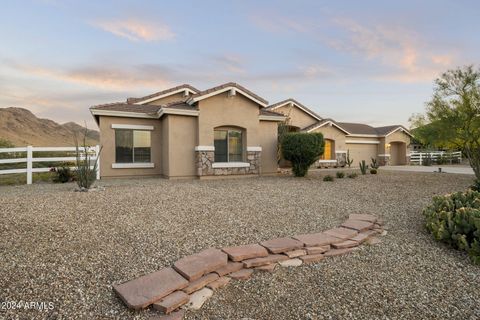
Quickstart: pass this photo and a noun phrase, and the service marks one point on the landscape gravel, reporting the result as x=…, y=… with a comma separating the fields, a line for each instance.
x=68, y=248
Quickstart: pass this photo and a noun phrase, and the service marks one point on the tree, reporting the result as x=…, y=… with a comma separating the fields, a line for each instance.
x=302, y=149
x=452, y=117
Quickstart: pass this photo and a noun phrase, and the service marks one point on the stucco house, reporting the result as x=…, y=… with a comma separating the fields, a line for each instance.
x=388, y=144
x=183, y=132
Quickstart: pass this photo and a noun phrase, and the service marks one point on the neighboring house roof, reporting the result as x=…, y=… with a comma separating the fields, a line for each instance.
x=226, y=87
x=365, y=129
x=164, y=93
x=322, y=123
x=298, y=104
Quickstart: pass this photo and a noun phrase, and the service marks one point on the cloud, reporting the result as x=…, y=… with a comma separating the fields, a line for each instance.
x=230, y=62
x=407, y=56
x=112, y=77
x=135, y=29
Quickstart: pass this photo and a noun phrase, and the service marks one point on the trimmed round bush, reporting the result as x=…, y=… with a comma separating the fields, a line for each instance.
x=455, y=219
x=373, y=171
x=302, y=150
x=328, y=178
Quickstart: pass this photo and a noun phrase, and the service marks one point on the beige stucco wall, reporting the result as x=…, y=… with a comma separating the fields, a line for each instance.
x=172, y=98
x=333, y=133
x=268, y=141
x=222, y=110
x=298, y=117
x=182, y=138
x=107, y=141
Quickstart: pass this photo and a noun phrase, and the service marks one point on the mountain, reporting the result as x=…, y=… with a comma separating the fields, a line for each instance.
x=22, y=128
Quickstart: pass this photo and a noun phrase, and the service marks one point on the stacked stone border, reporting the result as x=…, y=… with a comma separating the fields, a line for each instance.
x=193, y=279
x=205, y=160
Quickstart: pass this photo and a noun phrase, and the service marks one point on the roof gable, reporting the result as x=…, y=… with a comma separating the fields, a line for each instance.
x=231, y=87
x=323, y=123
x=184, y=88
x=296, y=104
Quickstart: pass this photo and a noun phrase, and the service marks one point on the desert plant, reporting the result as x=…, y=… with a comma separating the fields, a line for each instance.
x=340, y=174
x=86, y=173
x=455, y=220
x=302, y=150
x=373, y=171
x=427, y=161
x=475, y=186
x=363, y=167
x=62, y=174
x=328, y=178
x=348, y=161
x=352, y=175
x=374, y=164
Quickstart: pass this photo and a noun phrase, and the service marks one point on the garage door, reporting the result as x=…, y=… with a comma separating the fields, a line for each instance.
x=359, y=152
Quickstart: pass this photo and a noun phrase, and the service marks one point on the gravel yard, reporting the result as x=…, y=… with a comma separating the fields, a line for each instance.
x=69, y=247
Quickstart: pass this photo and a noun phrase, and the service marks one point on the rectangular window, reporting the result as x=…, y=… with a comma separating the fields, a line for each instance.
x=228, y=146
x=132, y=146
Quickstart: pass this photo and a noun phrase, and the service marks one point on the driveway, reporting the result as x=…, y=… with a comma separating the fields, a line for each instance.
x=433, y=168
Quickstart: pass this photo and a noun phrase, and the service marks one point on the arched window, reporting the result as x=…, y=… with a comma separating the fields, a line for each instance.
x=228, y=144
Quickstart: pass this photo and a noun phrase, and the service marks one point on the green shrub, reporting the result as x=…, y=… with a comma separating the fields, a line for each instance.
x=475, y=186
x=373, y=171
x=455, y=220
x=328, y=178
x=62, y=174
x=302, y=150
x=340, y=174
x=363, y=167
x=352, y=175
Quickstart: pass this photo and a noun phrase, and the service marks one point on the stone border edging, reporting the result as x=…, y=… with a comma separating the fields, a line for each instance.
x=193, y=279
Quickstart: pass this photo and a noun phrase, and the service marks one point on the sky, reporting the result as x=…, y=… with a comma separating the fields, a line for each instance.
x=354, y=61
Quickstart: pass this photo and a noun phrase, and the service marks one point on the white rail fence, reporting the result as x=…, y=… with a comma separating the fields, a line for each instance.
x=449, y=157
x=93, y=153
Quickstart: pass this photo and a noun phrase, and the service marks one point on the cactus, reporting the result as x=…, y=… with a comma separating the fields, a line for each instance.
x=374, y=164
x=363, y=167
x=348, y=161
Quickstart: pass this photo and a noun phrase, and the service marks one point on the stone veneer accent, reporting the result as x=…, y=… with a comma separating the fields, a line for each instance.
x=205, y=160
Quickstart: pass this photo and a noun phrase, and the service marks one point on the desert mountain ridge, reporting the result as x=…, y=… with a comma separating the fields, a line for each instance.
x=21, y=127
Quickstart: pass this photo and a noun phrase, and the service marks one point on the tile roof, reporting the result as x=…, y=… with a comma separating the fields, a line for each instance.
x=160, y=93
x=127, y=107
x=386, y=129
x=358, y=128
x=319, y=123
x=273, y=106
x=226, y=85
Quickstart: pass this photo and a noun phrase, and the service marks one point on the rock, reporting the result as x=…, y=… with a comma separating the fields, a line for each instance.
x=229, y=268
x=295, y=253
x=280, y=245
x=198, y=298
x=317, y=239
x=363, y=236
x=357, y=225
x=373, y=241
x=200, y=283
x=311, y=258
x=219, y=283
x=291, y=263
x=267, y=268
x=171, y=302
x=342, y=233
x=317, y=250
x=345, y=244
x=142, y=292
x=363, y=217
x=256, y=262
x=384, y=233
x=245, y=252
x=177, y=315
x=243, y=274
x=194, y=266
x=337, y=252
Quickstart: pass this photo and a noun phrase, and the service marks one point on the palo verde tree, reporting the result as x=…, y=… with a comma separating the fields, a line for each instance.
x=452, y=117
x=302, y=150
